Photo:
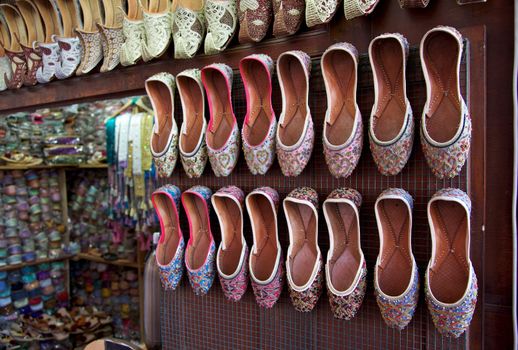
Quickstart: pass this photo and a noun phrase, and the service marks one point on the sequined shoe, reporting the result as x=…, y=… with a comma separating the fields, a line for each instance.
x=171, y=246
x=320, y=11
x=133, y=31
x=222, y=134
x=221, y=24
x=164, y=138
x=111, y=34
x=445, y=123
x=255, y=17
x=191, y=143
x=357, y=8
x=304, y=262
x=265, y=263
x=15, y=26
x=396, y=279
x=232, y=257
x=391, y=130
x=201, y=248
x=90, y=37
x=451, y=284
x=69, y=44
x=188, y=30
x=343, y=126
x=288, y=16
x=346, y=270
x=295, y=134
x=260, y=123
x=158, y=23
x=35, y=33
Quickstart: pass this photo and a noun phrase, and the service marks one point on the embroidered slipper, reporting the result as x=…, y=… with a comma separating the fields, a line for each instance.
x=191, y=143
x=265, y=263
x=133, y=30
x=260, y=123
x=357, y=8
x=346, y=269
x=320, y=11
x=69, y=43
x=446, y=122
x=232, y=257
x=14, y=50
x=201, y=248
x=408, y=4
x=111, y=34
x=221, y=16
x=35, y=33
x=222, y=134
x=188, y=28
x=171, y=246
x=391, y=131
x=343, y=126
x=255, y=17
x=288, y=16
x=164, y=138
x=158, y=22
x=90, y=36
x=295, y=133
x=451, y=284
x=5, y=64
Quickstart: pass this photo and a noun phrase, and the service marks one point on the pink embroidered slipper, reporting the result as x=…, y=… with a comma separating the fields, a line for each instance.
x=222, y=135
x=445, y=123
x=391, y=131
x=396, y=279
x=255, y=17
x=346, y=270
x=260, y=123
x=201, y=248
x=343, y=126
x=451, y=284
x=265, y=263
x=171, y=246
x=304, y=262
x=295, y=134
x=232, y=257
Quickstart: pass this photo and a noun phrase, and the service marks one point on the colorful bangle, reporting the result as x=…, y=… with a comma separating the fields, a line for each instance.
x=34, y=192
x=11, y=232
x=5, y=293
x=37, y=307
x=45, y=283
x=35, y=209
x=10, y=190
x=3, y=243
x=3, y=253
x=5, y=301
x=19, y=294
x=14, y=259
x=23, y=215
x=11, y=222
x=3, y=285
x=14, y=249
x=48, y=290
x=21, y=191
x=54, y=236
x=29, y=256
x=29, y=246
x=3, y=275
x=18, y=304
x=34, y=293
x=33, y=183
x=9, y=200
x=32, y=286
x=28, y=277
x=25, y=233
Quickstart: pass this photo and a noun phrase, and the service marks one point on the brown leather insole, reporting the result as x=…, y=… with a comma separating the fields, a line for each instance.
x=395, y=269
x=192, y=105
x=255, y=77
x=161, y=97
x=229, y=213
x=449, y=273
x=304, y=252
x=293, y=79
x=346, y=257
x=388, y=61
x=263, y=222
x=69, y=16
x=340, y=73
x=221, y=114
x=4, y=36
x=32, y=20
x=197, y=251
x=112, y=13
x=169, y=239
x=91, y=14
x=50, y=19
x=441, y=52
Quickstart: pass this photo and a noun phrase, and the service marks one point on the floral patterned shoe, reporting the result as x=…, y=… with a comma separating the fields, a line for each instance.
x=164, y=138
x=288, y=16
x=193, y=150
x=304, y=263
x=396, y=280
x=295, y=134
x=346, y=270
x=35, y=33
x=171, y=246
x=255, y=17
x=445, y=123
x=357, y=8
x=201, y=248
x=391, y=131
x=13, y=50
x=232, y=258
x=451, y=284
x=320, y=11
x=222, y=134
x=222, y=20
x=111, y=34
x=265, y=263
x=69, y=44
x=343, y=127
x=260, y=123
x=157, y=29
x=188, y=28
x=133, y=31
x=90, y=37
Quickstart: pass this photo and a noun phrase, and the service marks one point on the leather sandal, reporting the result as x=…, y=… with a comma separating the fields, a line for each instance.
x=49, y=49
x=255, y=17
x=35, y=33
x=221, y=16
x=188, y=28
x=158, y=23
x=90, y=36
x=14, y=51
x=69, y=43
x=5, y=65
x=288, y=16
x=320, y=11
x=133, y=30
x=111, y=34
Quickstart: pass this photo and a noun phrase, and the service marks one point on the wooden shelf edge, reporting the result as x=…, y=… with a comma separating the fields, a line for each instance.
x=89, y=257
x=36, y=262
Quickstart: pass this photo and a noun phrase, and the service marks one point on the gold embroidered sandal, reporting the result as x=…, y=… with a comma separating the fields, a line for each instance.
x=222, y=20
x=320, y=11
x=157, y=29
x=288, y=16
x=111, y=34
x=90, y=36
x=5, y=64
x=69, y=43
x=133, y=31
x=356, y=8
x=14, y=50
x=188, y=28
x=35, y=33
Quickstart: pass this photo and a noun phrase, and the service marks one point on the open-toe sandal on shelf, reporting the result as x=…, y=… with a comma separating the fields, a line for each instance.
x=133, y=31
x=288, y=16
x=158, y=22
x=35, y=33
x=111, y=34
x=69, y=43
x=5, y=65
x=221, y=16
x=320, y=11
x=188, y=28
x=90, y=36
x=50, y=51
x=191, y=142
x=357, y=8
x=14, y=50
x=255, y=17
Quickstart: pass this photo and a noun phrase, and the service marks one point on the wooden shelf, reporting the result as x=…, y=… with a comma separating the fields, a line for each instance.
x=45, y=166
x=36, y=262
x=119, y=262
